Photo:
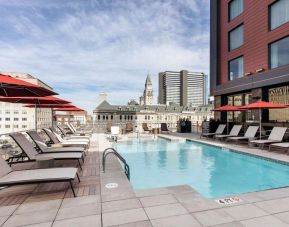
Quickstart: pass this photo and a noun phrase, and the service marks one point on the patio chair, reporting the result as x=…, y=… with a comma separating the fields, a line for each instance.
x=146, y=128
x=43, y=148
x=9, y=177
x=281, y=146
x=54, y=139
x=164, y=128
x=33, y=155
x=276, y=135
x=219, y=131
x=128, y=128
x=234, y=132
x=249, y=134
x=65, y=135
x=76, y=132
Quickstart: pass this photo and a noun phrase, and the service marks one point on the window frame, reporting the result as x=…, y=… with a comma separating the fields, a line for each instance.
x=269, y=17
x=229, y=37
x=228, y=70
x=229, y=11
x=269, y=53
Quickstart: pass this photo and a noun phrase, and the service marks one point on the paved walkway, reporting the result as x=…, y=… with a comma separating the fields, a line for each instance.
x=98, y=205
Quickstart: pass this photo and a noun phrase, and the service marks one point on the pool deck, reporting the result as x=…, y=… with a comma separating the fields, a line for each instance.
x=96, y=205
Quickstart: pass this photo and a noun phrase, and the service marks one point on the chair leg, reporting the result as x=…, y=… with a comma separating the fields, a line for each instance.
x=78, y=177
x=79, y=164
x=72, y=188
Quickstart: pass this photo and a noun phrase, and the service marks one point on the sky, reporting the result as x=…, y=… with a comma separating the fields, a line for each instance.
x=84, y=47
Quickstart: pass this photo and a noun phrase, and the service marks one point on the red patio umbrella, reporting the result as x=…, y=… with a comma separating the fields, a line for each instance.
x=69, y=109
x=50, y=106
x=11, y=87
x=227, y=108
x=259, y=105
x=35, y=101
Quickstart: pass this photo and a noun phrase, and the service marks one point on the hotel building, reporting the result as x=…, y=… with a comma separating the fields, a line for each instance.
x=249, y=51
x=182, y=88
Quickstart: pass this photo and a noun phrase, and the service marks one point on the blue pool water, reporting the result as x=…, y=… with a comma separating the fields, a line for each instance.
x=211, y=171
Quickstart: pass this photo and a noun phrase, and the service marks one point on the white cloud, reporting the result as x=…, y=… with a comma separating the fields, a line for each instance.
x=84, y=49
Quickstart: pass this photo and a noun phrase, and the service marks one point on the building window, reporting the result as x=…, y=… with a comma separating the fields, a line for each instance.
x=24, y=119
x=16, y=118
x=7, y=112
x=236, y=68
x=7, y=126
x=236, y=7
x=236, y=37
x=120, y=117
x=16, y=112
x=279, y=53
x=24, y=112
x=111, y=117
x=279, y=13
x=24, y=126
x=98, y=117
x=7, y=119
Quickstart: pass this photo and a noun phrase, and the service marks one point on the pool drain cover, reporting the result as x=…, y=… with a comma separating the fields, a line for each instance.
x=111, y=185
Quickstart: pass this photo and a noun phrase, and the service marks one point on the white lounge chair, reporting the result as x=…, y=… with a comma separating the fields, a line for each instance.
x=276, y=135
x=249, y=134
x=283, y=146
x=219, y=131
x=234, y=132
x=9, y=177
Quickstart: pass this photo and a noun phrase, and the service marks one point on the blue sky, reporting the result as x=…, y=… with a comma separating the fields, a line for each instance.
x=84, y=47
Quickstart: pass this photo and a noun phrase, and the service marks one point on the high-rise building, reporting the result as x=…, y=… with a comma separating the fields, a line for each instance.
x=249, y=51
x=16, y=117
x=147, y=98
x=182, y=88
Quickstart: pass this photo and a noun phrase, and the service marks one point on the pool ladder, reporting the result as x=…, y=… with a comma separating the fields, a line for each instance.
x=108, y=151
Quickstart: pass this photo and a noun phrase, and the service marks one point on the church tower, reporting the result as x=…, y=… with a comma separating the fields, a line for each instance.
x=148, y=92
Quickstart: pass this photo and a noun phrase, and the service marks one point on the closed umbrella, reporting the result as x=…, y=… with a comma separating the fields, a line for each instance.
x=12, y=87
x=260, y=105
x=36, y=101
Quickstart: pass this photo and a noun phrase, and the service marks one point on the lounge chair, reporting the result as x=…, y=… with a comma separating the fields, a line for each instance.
x=249, y=134
x=54, y=139
x=9, y=177
x=69, y=136
x=276, y=135
x=128, y=128
x=33, y=155
x=283, y=146
x=43, y=148
x=219, y=131
x=146, y=128
x=76, y=132
x=164, y=128
x=234, y=132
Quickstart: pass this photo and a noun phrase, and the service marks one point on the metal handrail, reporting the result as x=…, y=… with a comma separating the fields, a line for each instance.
x=113, y=151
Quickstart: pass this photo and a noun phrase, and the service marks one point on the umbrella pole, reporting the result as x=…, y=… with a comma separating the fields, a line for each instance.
x=35, y=117
x=260, y=119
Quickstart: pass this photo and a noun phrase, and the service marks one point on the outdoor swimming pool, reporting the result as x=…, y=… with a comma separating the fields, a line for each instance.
x=211, y=171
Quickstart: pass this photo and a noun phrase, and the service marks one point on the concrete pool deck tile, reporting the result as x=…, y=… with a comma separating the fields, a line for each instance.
x=38, y=206
x=7, y=210
x=283, y=216
x=119, y=205
x=45, y=224
x=185, y=220
x=213, y=217
x=251, y=197
x=197, y=203
x=79, y=211
x=79, y=201
x=245, y=211
x=267, y=221
x=165, y=210
x=136, y=224
x=181, y=189
x=3, y=219
x=87, y=221
x=157, y=200
x=231, y=224
x=113, y=194
x=31, y=218
x=273, y=193
x=123, y=217
x=152, y=192
x=274, y=206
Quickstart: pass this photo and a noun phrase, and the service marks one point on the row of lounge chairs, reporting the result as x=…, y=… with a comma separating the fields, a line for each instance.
x=274, y=139
x=71, y=147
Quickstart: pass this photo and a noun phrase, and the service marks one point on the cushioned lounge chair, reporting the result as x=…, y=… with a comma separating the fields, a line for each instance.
x=33, y=155
x=9, y=177
x=43, y=148
x=249, y=134
x=58, y=140
x=66, y=135
x=79, y=132
x=276, y=135
x=219, y=131
x=234, y=132
x=146, y=128
x=281, y=146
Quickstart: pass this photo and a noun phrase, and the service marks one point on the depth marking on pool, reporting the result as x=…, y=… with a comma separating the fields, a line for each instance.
x=111, y=185
x=228, y=201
